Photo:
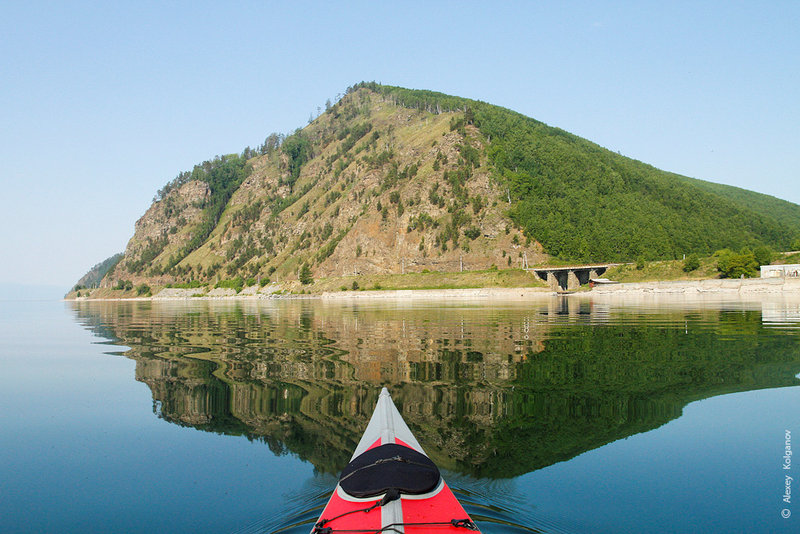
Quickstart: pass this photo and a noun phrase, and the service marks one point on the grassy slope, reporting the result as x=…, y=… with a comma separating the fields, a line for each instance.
x=663, y=270
x=459, y=280
x=584, y=202
x=412, y=135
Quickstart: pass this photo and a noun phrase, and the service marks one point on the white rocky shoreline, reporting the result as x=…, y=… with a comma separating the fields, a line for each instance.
x=726, y=287
x=274, y=293
x=741, y=286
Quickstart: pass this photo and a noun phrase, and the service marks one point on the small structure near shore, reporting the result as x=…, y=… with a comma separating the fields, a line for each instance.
x=780, y=271
x=570, y=278
x=594, y=281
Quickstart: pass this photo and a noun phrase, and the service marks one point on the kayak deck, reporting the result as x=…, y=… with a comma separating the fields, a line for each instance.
x=412, y=500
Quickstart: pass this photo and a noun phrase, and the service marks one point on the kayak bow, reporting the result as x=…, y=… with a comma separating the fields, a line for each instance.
x=390, y=485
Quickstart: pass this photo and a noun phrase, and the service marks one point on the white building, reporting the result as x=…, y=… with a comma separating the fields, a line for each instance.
x=780, y=271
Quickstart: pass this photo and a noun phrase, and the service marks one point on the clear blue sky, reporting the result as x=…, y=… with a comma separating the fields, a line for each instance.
x=103, y=103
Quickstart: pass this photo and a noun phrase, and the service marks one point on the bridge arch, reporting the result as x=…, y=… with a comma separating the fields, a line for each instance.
x=569, y=278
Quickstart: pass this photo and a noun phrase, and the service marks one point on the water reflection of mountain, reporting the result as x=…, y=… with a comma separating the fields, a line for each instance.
x=491, y=392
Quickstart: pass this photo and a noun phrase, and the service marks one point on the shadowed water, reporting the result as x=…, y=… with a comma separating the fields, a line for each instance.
x=561, y=415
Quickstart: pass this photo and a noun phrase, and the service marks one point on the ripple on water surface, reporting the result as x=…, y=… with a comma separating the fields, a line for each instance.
x=506, y=398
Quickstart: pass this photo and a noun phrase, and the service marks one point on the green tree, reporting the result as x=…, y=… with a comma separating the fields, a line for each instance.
x=143, y=289
x=124, y=285
x=736, y=265
x=298, y=148
x=237, y=284
x=691, y=263
x=473, y=232
x=305, y=275
x=763, y=255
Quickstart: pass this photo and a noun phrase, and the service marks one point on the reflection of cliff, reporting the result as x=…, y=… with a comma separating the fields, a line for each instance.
x=490, y=392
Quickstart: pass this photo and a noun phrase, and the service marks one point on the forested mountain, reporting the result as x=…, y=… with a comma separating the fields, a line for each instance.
x=93, y=277
x=397, y=180
x=787, y=213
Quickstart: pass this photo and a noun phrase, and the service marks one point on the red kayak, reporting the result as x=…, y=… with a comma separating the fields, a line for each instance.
x=390, y=485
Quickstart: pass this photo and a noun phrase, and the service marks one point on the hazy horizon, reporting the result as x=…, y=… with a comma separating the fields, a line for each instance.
x=10, y=292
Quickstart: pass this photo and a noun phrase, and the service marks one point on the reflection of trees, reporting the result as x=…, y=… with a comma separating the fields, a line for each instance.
x=490, y=392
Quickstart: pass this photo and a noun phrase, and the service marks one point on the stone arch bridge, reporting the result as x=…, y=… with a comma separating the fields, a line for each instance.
x=570, y=277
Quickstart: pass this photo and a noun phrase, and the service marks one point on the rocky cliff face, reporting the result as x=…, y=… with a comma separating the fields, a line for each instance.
x=368, y=187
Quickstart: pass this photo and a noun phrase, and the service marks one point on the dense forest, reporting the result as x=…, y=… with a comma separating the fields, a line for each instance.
x=586, y=203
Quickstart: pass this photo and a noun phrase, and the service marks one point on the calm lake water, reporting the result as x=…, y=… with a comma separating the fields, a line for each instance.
x=563, y=415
